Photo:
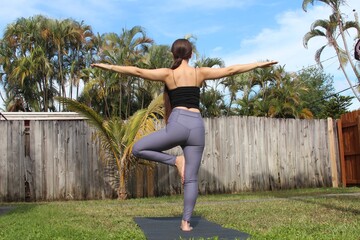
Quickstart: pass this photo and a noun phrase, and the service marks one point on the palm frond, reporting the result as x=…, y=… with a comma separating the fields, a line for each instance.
x=351, y=24
x=306, y=3
x=109, y=132
x=320, y=23
x=142, y=123
x=306, y=114
x=334, y=4
x=94, y=118
x=343, y=57
x=309, y=35
x=318, y=55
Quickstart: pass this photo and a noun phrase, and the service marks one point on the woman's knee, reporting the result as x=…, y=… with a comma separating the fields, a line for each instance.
x=136, y=150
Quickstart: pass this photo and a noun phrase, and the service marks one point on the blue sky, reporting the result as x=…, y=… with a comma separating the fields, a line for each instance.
x=238, y=31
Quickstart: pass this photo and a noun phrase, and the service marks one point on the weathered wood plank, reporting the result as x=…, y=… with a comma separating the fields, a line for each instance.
x=97, y=172
x=61, y=155
x=91, y=169
x=246, y=156
x=85, y=161
x=74, y=158
x=15, y=167
x=4, y=126
x=34, y=148
x=48, y=156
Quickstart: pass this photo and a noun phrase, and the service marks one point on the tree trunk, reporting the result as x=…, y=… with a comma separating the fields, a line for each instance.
x=45, y=95
x=336, y=47
x=347, y=49
x=122, y=193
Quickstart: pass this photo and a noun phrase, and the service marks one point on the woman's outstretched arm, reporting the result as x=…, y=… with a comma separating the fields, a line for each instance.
x=151, y=74
x=216, y=73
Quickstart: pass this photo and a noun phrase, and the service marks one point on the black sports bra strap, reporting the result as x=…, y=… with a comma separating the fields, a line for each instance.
x=195, y=77
x=174, y=78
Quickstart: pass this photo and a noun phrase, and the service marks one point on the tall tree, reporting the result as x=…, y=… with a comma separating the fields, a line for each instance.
x=211, y=100
x=335, y=106
x=319, y=89
x=26, y=65
x=262, y=79
x=83, y=50
x=331, y=29
x=234, y=85
x=126, y=48
x=248, y=97
x=37, y=54
x=158, y=56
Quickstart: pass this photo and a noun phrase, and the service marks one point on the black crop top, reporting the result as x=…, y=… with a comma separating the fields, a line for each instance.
x=186, y=96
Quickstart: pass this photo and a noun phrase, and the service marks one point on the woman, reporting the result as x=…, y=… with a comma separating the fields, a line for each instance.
x=184, y=125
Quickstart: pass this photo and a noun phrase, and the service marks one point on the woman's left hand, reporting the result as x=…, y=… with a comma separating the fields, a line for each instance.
x=266, y=64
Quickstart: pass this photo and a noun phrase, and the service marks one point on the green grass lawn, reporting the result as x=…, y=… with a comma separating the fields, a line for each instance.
x=295, y=214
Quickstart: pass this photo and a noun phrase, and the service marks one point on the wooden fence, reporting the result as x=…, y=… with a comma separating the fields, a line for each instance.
x=349, y=144
x=58, y=160
x=251, y=153
x=50, y=160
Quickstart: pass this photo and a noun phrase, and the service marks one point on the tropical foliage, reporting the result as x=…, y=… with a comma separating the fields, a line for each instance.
x=118, y=136
x=40, y=57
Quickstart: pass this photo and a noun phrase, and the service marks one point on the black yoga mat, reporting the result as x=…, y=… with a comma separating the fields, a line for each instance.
x=168, y=228
x=4, y=210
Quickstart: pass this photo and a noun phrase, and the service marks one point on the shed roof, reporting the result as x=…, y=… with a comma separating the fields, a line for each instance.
x=41, y=116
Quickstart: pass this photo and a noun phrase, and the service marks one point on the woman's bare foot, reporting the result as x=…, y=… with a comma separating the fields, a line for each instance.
x=180, y=164
x=185, y=226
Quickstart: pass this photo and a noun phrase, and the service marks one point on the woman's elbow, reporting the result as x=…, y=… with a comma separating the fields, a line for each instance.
x=137, y=72
x=231, y=71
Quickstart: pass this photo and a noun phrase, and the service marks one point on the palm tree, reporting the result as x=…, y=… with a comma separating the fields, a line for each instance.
x=158, y=56
x=284, y=96
x=127, y=48
x=212, y=103
x=211, y=100
x=82, y=49
x=331, y=29
x=236, y=85
x=37, y=53
x=118, y=136
x=63, y=32
x=96, y=92
x=243, y=85
x=26, y=65
x=260, y=80
x=33, y=71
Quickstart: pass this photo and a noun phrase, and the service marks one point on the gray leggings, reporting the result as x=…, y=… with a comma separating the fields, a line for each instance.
x=185, y=129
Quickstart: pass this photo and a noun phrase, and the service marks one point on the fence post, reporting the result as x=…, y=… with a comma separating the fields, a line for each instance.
x=341, y=152
x=334, y=176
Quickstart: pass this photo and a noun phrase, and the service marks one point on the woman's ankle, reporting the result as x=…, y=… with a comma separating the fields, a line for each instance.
x=185, y=226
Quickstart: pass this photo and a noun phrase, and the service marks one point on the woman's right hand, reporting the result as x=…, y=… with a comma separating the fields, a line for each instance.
x=101, y=65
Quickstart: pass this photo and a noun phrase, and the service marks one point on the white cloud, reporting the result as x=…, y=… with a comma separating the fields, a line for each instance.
x=204, y=4
x=284, y=44
x=98, y=14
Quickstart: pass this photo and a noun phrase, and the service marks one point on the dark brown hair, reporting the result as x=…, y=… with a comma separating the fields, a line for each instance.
x=181, y=50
